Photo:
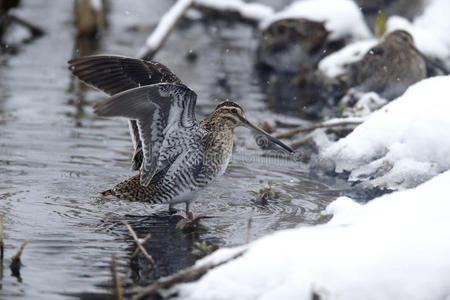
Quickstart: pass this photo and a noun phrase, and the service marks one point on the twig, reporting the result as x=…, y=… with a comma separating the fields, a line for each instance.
x=165, y=26
x=326, y=124
x=143, y=241
x=169, y=281
x=116, y=278
x=249, y=227
x=300, y=142
x=133, y=234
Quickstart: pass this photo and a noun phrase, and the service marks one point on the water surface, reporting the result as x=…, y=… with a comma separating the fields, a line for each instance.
x=55, y=156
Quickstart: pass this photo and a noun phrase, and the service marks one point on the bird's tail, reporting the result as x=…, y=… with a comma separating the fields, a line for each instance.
x=132, y=190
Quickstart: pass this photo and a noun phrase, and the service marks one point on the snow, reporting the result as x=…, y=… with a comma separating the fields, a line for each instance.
x=342, y=17
x=394, y=247
x=334, y=64
x=366, y=104
x=430, y=30
x=254, y=11
x=404, y=143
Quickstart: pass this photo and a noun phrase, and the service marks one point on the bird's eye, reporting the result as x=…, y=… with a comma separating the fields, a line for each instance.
x=234, y=110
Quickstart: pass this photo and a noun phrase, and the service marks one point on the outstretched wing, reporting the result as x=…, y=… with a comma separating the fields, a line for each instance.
x=115, y=74
x=159, y=110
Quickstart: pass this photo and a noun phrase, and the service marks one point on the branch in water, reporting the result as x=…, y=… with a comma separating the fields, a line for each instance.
x=327, y=124
x=139, y=244
x=251, y=12
x=165, y=26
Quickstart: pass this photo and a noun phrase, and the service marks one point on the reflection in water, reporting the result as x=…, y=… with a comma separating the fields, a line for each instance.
x=55, y=156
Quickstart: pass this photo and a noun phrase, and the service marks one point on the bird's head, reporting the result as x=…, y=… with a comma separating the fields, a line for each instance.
x=401, y=38
x=231, y=115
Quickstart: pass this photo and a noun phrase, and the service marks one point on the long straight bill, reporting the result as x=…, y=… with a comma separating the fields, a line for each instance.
x=269, y=137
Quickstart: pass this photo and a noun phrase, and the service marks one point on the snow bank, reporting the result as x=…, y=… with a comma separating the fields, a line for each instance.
x=395, y=247
x=342, y=17
x=430, y=30
x=404, y=143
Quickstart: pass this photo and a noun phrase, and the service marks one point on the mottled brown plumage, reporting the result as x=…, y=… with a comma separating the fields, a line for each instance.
x=389, y=68
x=176, y=155
x=292, y=44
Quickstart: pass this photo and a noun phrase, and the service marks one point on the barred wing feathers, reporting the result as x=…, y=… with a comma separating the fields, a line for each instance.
x=160, y=110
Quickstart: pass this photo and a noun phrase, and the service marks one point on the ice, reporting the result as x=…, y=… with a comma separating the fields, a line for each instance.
x=404, y=143
x=394, y=247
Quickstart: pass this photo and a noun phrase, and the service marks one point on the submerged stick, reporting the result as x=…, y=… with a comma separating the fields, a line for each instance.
x=143, y=241
x=169, y=281
x=117, y=282
x=327, y=124
x=165, y=26
x=136, y=239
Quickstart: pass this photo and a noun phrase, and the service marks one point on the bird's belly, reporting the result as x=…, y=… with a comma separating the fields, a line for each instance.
x=224, y=164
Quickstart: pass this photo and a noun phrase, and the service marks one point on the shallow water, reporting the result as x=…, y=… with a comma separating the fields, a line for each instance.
x=55, y=156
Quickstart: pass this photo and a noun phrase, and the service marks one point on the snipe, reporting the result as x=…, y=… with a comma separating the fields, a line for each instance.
x=176, y=156
x=390, y=67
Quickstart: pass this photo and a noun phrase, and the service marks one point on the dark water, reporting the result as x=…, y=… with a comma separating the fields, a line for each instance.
x=55, y=156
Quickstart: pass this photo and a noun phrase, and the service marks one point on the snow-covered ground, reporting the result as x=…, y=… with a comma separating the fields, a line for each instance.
x=404, y=143
x=394, y=247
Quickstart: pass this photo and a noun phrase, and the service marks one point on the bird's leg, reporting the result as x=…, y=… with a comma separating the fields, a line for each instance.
x=187, y=207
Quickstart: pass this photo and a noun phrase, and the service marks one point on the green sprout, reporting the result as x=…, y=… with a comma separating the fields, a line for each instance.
x=202, y=249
